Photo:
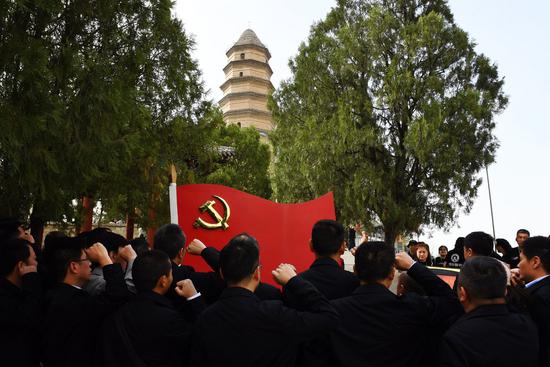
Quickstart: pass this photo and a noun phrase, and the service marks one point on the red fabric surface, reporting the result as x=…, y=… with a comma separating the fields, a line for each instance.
x=282, y=230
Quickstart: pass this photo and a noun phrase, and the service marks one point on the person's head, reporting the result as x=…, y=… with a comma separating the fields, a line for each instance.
x=15, y=254
x=482, y=280
x=327, y=238
x=502, y=246
x=152, y=271
x=112, y=242
x=170, y=239
x=140, y=245
x=240, y=261
x=67, y=261
x=412, y=246
x=443, y=250
x=11, y=228
x=521, y=236
x=478, y=244
x=375, y=263
x=534, y=258
x=406, y=284
x=422, y=252
x=459, y=244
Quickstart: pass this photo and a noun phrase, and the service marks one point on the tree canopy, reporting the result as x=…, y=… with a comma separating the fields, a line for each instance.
x=97, y=99
x=390, y=106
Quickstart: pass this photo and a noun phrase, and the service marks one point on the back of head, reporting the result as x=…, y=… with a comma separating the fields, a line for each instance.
x=459, y=244
x=11, y=253
x=374, y=261
x=112, y=241
x=538, y=246
x=480, y=243
x=239, y=258
x=483, y=278
x=169, y=239
x=140, y=245
x=61, y=251
x=9, y=228
x=148, y=268
x=504, y=244
x=327, y=237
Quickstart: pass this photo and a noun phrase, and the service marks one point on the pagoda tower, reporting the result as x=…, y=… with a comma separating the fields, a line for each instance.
x=247, y=84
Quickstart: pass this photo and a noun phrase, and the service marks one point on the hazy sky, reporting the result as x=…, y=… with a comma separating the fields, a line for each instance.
x=514, y=34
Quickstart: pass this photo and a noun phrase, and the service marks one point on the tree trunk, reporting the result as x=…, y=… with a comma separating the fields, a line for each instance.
x=390, y=234
x=152, y=216
x=130, y=224
x=37, y=229
x=88, y=212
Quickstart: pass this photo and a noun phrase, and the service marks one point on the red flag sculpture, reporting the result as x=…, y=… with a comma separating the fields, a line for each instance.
x=214, y=214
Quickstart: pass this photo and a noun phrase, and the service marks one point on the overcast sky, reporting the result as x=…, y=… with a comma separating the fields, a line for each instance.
x=514, y=34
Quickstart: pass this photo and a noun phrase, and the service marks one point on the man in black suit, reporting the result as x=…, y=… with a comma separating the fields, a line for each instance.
x=375, y=323
x=20, y=291
x=148, y=330
x=488, y=334
x=327, y=275
x=170, y=239
x=534, y=270
x=241, y=330
x=72, y=317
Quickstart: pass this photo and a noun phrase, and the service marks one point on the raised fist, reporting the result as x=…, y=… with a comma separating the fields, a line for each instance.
x=98, y=253
x=403, y=261
x=196, y=247
x=185, y=288
x=127, y=253
x=284, y=273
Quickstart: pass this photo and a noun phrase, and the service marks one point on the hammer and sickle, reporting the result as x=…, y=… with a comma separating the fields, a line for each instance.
x=221, y=222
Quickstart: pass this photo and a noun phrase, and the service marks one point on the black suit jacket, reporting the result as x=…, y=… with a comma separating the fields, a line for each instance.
x=149, y=328
x=490, y=335
x=211, y=284
x=333, y=282
x=241, y=330
x=539, y=309
x=19, y=317
x=378, y=328
x=72, y=319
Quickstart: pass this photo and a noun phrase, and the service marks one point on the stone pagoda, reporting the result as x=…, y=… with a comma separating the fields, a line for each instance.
x=247, y=84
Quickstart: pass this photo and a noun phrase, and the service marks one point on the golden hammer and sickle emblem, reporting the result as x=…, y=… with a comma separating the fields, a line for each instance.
x=221, y=222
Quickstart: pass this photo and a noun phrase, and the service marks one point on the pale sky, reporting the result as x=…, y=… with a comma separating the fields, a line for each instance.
x=514, y=34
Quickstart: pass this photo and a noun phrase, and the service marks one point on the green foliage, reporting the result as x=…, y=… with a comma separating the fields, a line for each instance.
x=98, y=99
x=389, y=106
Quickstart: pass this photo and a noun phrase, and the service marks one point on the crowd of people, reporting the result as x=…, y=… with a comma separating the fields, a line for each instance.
x=97, y=299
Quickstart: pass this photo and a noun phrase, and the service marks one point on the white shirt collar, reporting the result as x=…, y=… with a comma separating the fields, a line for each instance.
x=528, y=285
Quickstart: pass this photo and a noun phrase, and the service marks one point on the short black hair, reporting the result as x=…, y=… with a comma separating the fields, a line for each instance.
x=459, y=244
x=483, y=277
x=412, y=243
x=442, y=247
x=327, y=237
x=11, y=253
x=112, y=241
x=538, y=246
x=481, y=243
x=502, y=242
x=169, y=239
x=239, y=258
x=524, y=231
x=148, y=268
x=374, y=261
x=61, y=251
x=9, y=228
x=140, y=245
